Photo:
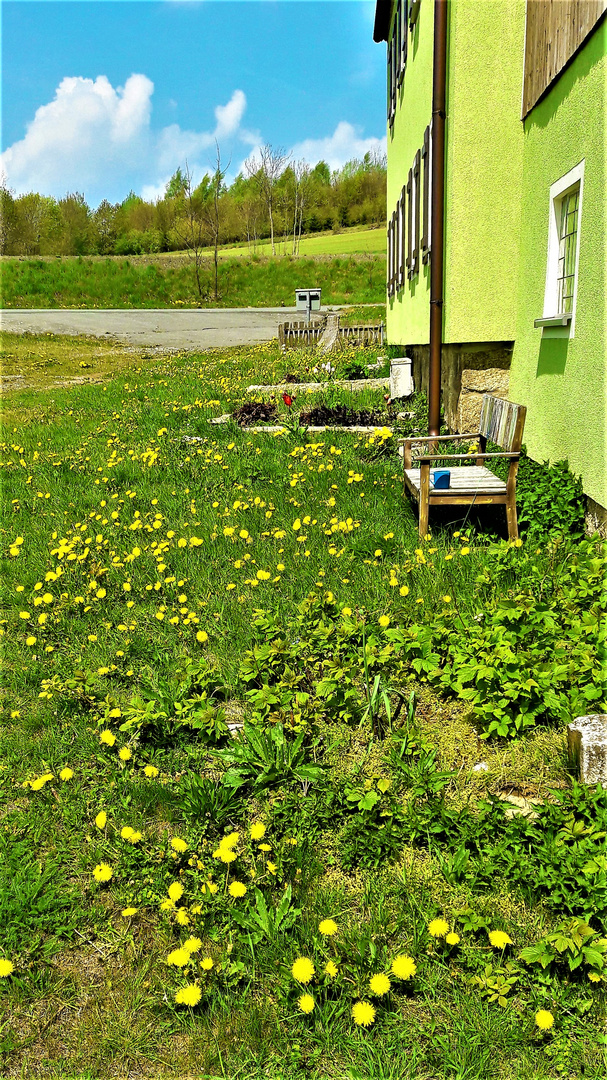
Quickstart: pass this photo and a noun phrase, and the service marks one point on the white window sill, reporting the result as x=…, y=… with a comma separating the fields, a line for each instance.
x=554, y=320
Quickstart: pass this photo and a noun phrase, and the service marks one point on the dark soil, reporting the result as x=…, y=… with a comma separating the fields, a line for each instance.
x=254, y=412
x=341, y=414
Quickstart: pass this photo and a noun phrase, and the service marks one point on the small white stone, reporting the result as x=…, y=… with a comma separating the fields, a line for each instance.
x=587, y=745
x=481, y=766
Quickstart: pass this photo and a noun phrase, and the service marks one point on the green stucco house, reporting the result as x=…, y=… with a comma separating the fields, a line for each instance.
x=497, y=154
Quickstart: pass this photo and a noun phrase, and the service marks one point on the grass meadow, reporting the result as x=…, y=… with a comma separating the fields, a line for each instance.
x=261, y=747
x=168, y=281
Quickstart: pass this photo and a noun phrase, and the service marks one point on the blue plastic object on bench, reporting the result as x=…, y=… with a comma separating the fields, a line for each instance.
x=441, y=478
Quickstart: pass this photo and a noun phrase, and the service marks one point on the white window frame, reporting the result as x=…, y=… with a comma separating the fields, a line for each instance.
x=558, y=191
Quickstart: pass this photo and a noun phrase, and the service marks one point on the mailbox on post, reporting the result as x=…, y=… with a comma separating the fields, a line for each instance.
x=307, y=300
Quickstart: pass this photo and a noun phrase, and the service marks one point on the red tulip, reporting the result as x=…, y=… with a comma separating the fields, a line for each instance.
x=288, y=400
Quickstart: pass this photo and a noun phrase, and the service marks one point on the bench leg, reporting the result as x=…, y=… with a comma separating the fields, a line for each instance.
x=512, y=522
x=424, y=493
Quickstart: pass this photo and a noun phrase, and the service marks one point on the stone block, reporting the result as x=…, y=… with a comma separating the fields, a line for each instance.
x=587, y=745
x=474, y=384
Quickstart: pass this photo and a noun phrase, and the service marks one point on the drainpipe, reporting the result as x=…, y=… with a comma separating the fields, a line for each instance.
x=439, y=88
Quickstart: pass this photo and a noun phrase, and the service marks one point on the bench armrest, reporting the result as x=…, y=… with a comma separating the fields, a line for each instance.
x=437, y=438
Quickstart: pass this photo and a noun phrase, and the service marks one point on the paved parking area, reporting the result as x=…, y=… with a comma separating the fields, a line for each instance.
x=192, y=329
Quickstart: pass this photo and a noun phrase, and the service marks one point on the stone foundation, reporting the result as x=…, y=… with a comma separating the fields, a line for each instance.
x=596, y=519
x=468, y=371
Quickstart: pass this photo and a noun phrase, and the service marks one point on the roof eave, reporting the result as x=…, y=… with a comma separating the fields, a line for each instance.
x=383, y=11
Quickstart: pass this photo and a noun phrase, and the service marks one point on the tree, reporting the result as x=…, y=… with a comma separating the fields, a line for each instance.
x=210, y=207
x=189, y=226
x=266, y=171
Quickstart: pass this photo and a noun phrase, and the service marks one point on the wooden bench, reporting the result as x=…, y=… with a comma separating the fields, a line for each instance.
x=502, y=422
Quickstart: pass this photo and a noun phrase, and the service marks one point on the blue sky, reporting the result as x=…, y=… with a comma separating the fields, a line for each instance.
x=105, y=96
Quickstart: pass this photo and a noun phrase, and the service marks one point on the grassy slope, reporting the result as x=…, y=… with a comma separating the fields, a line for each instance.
x=92, y=994
x=259, y=282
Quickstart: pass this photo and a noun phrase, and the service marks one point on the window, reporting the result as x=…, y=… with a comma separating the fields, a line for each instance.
x=565, y=215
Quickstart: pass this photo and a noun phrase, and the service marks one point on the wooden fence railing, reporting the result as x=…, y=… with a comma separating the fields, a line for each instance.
x=295, y=334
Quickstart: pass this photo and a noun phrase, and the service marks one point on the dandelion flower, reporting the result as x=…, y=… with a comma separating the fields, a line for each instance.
x=306, y=1003
x=188, y=995
x=175, y=890
x=107, y=737
x=206, y=963
x=327, y=928
x=230, y=840
x=438, y=928
x=31, y=640
x=403, y=967
x=101, y=819
x=594, y=976
x=66, y=774
x=302, y=970
x=128, y=911
x=452, y=938
x=102, y=872
x=237, y=889
x=178, y=958
x=124, y=754
x=330, y=969
x=182, y=917
x=379, y=984
x=499, y=939
x=384, y=620
x=178, y=844
x=265, y=847
x=544, y=1019
x=6, y=968
x=404, y=590
x=258, y=830
x=193, y=944
x=151, y=771
x=225, y=855
x=363, y=1013
x=202, y=636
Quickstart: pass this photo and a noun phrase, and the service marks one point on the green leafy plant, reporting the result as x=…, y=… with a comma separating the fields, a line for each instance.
x=260, y=759
x=574, y=945
x=266, y=922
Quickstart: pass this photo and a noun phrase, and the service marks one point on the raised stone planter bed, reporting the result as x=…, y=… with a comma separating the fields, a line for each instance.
x=353, y=385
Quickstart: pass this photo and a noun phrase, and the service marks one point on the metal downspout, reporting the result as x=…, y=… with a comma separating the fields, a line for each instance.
x=439, y=89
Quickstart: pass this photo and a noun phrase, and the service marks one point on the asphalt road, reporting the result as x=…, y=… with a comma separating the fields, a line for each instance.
x=193, y=328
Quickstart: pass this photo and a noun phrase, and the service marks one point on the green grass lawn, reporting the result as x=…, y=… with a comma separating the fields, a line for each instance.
x=145, y=282
x=346, y=242
x=336, y=888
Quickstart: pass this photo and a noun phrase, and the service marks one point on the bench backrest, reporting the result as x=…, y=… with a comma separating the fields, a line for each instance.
x=502, y=422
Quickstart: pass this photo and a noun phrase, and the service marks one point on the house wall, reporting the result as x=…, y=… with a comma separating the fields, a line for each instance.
x=408, y=313
x=484, y=169
x=561, y=378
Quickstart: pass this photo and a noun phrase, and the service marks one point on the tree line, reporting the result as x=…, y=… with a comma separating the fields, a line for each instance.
x=274, y=198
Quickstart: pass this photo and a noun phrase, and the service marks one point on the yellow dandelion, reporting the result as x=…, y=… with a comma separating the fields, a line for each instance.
x=452, y=938
x=151, y=771
x=178, y=958
x=379, y=985
x=66, y=774
x=102, y=872
x=178, y=844
x=384, y=620
x=107, y=737
x=193, y=944
x=403, y=967
x=6, y=968
x=330, y=969
x=237, y=889
x=544, y=1019
x=182, y=917
x=202, y=636
x=128, y=911
x=306, y=1003
x=188, y=995
x=499, y=939
x=175, y=891
x=327, y=928
x=363, y=1013
x=125, y=754
x=302, y=969
x=101, y=819
x=206, y=963
x=258, y=830
x=438, y=928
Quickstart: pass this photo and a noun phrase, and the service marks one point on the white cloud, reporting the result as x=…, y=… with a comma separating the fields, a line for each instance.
x=343, y=145
x=98, y=139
